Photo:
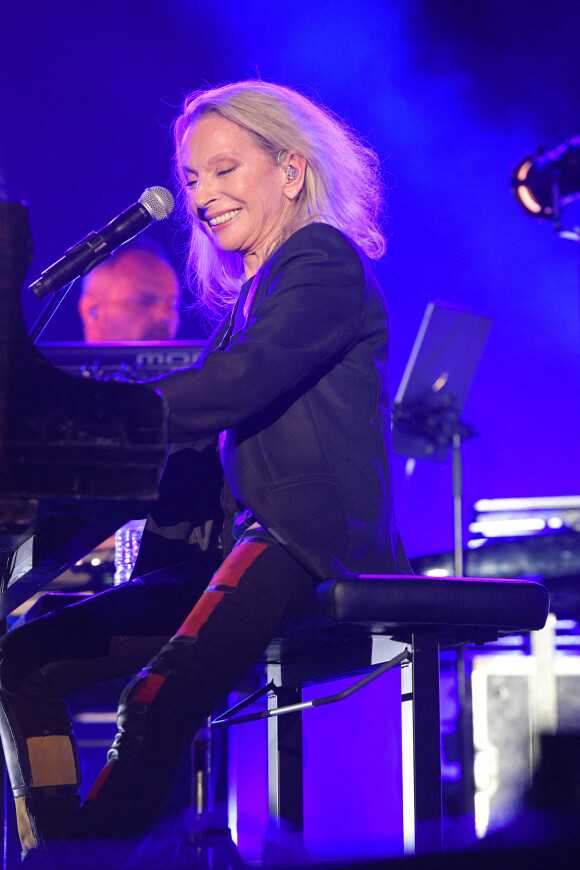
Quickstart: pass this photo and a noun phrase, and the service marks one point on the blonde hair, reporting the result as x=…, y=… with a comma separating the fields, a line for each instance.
x=342, y=184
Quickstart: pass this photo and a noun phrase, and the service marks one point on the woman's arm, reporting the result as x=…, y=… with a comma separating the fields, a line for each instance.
x=308, y=315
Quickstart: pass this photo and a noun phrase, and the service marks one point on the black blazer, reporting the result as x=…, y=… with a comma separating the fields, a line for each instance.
x=295, y=379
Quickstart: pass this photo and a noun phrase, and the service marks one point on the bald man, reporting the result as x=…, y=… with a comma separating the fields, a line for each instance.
x=132, y=296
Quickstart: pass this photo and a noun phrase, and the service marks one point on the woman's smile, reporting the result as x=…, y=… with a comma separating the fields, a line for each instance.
x=220, y=220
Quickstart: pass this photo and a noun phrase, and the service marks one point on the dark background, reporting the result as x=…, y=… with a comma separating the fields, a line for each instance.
x=451, y=94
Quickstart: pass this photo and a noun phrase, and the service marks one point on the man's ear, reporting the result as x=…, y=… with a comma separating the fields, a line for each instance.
x=88, y=306
x=90, y=311
x=294, y=169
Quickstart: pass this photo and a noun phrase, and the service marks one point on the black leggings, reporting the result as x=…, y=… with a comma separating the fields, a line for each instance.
x=194, y=641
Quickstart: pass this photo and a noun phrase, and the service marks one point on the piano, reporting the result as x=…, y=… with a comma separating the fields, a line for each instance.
x=79, y=456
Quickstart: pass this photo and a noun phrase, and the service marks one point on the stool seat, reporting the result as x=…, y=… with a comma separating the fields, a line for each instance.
x=457, y=610
x=398, y=601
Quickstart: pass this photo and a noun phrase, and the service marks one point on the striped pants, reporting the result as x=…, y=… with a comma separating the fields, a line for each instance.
x=200, y=653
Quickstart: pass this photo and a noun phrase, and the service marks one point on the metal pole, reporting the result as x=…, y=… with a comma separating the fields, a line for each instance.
x=457, y=507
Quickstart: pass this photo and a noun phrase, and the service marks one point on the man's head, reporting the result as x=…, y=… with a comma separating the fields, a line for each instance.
x=132, y=296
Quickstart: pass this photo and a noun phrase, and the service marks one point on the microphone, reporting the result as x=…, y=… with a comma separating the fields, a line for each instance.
x=154, y=204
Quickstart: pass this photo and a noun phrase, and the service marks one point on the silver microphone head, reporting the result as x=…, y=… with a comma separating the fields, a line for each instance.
x=158, y=201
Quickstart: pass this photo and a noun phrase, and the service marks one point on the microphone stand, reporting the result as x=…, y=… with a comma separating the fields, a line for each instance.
x=48, y=312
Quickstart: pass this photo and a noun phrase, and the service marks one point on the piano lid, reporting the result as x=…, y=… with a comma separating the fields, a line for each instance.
x=63, y=435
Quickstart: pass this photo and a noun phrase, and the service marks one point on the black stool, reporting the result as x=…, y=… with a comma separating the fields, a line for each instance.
x=367, y=625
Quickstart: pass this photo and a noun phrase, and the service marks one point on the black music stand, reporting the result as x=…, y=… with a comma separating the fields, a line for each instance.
x=426, y=424
x=430, y=400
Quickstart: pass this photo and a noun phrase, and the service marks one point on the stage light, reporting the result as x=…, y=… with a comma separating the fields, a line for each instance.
x=533, y=503
x=505, y=517
x=544, y=182
x=476, y=543
x=503, y=528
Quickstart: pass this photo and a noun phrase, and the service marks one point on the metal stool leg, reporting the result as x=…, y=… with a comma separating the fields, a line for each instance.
x=427, y=742
x=285, y=837
x=285, y=779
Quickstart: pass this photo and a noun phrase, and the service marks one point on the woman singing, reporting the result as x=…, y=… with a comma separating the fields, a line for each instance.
x=283, y=202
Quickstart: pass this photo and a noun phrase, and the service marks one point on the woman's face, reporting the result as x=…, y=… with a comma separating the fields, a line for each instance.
x=235, y=190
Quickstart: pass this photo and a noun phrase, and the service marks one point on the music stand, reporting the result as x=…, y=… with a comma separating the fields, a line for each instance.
x=426, y=424
x=430, y=400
